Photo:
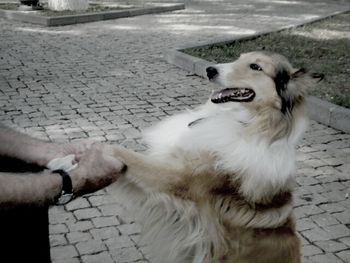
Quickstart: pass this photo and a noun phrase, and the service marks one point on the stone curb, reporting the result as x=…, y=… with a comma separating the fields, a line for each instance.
x=329, y=114
x=23, y=16
x=319, y=110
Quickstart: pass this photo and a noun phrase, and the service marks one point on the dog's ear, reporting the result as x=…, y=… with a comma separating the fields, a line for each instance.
x=315, y=77
x=298, y=73
x=292, y=87
x=281, y=82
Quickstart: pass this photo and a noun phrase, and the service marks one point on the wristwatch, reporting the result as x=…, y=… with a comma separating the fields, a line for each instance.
x=66, y=194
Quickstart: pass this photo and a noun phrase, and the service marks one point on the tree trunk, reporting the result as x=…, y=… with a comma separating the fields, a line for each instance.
x=60, y=5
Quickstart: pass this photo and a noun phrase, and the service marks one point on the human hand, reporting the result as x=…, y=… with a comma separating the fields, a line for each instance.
x=53, y=151
x=97, y=168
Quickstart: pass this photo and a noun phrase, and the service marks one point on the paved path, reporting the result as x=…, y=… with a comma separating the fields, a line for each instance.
x=108, y=81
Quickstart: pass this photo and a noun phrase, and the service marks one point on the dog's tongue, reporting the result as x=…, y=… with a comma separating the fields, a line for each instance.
x=233, y=94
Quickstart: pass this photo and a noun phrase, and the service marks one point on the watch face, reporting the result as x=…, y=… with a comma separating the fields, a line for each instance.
x=64, y=199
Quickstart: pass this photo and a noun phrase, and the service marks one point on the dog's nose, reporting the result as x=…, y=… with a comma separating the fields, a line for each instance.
x=212, y=72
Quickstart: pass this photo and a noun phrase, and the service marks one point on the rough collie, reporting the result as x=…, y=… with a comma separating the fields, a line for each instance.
x=216, y=183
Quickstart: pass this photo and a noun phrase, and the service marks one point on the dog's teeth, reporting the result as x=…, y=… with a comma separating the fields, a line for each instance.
x=233, y=94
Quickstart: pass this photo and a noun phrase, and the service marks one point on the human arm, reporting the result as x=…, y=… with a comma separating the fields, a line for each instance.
x=25, y=189
x=35, y=151
x=96, y=169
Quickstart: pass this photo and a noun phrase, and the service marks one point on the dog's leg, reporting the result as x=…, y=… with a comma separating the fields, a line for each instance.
x=147, y=172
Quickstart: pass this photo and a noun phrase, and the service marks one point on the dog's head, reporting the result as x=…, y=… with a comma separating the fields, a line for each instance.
x=261, y=78
x=269, y=88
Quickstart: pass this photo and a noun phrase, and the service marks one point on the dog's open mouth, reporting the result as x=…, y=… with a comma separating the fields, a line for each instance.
x=233, y=94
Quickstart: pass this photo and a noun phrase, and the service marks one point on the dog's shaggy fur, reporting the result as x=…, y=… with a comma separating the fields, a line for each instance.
x=216, y=184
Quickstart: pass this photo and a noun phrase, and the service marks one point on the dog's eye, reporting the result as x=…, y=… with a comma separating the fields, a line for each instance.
x=255, y=67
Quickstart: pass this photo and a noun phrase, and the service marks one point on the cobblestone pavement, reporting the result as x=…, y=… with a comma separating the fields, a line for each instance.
x=108, y=81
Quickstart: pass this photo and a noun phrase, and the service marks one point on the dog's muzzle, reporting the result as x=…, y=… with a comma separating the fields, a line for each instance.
x=233, y=95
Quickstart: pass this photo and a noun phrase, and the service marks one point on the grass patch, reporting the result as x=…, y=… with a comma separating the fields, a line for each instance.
x=93, y=8
x=322, y=47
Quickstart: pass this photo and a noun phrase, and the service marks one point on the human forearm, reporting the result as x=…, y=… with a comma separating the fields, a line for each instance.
x=20, y=146
x=29, y=189
x=96, y=168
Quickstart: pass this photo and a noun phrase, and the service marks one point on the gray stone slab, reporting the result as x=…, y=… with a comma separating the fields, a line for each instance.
x=340, y=119
x=320, y=110
x=115, y=15
x=200, y=67
x=181, y=60
x=329, y=114
x=61, y=21
x=33, y=18
x=23, y=17
x=89, y=18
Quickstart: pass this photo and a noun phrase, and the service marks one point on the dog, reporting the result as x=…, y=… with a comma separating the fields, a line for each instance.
x=216, y=183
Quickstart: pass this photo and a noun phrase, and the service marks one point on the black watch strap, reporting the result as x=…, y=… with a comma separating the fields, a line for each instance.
x=66, y=194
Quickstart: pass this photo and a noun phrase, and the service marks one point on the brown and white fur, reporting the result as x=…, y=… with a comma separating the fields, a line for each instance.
x=216, y=184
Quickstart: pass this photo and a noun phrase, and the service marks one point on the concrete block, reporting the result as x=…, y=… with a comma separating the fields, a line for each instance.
x=64, y=252
x=102, y=257
x=319, y=110
x=74, y=237
x=128, y=254
x=344, y=255
x=90, y=247
x=86, y=213
x=137, y=12
x=181, y=60
x=200, y=67
x=340, y=119
x=62, y=21
x=84, y=18
x=30, y=18
x=115, y=15
x=310, y=250
x=105, y=221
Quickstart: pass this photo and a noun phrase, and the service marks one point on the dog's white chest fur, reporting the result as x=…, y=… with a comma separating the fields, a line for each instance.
x=219, y=131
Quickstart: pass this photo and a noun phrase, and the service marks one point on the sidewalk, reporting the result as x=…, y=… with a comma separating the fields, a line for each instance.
x=109, y=80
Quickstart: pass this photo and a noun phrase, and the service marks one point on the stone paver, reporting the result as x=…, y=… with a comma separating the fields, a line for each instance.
x=108, y=81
